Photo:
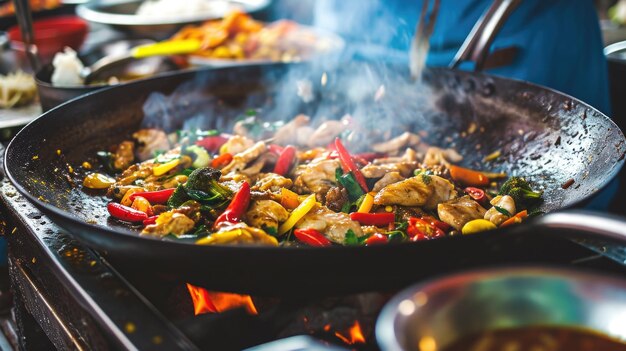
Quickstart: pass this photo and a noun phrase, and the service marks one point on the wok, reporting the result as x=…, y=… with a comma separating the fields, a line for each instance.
x=542, y=134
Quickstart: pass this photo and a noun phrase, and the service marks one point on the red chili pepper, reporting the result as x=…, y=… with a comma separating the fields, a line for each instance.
x=418, y=226
x=376, y=239
x=237, y=208
x=437, y=223
x=285, y=160
x=125, y=213
x=150, y=220
x=155, y=197
x=348, y=164
x=311, y=237
x=221, y=160
x=212, y=143
x=377, y=219
x=476, y=194
x=276, y=149
x=419, y=237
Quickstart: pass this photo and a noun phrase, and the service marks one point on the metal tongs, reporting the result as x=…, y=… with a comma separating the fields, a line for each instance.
x=476, y=46
x=25, y=22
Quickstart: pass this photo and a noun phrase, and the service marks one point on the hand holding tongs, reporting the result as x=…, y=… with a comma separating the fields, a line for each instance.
x=476, y=46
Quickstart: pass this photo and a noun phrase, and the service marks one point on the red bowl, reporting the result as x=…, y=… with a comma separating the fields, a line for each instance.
x=53, y=34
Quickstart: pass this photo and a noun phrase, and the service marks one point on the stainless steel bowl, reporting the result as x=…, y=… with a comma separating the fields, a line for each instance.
x=120, y=14
x=434, y=314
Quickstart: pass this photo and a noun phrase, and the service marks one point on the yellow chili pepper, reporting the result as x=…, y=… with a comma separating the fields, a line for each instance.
x=297, y=214
x=366, y=205
x=98, y=181
x=161, y=169
x=477, y=225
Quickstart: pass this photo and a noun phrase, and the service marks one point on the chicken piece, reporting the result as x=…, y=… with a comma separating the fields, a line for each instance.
x=303, y=134
x=396, y=144
x=169, y=222
x=124, y=155
x=436, y=156
x=266, y=214
x=237, y=144
x=289, y=133
x=327, y=132
x=459, y=211
x=150, y=141
x=238, y=233
x=503, y=202
x=422, y=191
x=241, y=159
x=316, y=177
x=272, y=182
x=333, y=225
x=378, y=171
x=389, y=178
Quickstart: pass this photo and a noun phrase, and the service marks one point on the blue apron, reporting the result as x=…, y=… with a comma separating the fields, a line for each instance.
x=559, y=42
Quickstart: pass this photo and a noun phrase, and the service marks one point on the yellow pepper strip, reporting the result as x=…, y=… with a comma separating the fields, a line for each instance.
x=477, y=226
x=223, y=237
x=297, y=214
x=98, y=181
x=161, y=169
x=366, y=205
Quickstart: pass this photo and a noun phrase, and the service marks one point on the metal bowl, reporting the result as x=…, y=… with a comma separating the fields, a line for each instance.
x=441, y=311
x=120, y=14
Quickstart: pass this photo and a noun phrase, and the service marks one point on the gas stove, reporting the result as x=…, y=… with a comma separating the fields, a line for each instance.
x=68, y=296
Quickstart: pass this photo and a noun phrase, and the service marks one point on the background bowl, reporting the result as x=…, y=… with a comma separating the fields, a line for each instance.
x=120, y=14
x=443, y=310
x=52, y=35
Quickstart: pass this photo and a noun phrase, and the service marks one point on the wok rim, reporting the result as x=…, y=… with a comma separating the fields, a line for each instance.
x=133, y=235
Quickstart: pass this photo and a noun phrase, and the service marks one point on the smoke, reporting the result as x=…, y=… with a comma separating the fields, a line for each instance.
x=380, y=97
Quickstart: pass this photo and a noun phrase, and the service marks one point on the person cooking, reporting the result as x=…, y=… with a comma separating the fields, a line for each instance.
x=558, y=43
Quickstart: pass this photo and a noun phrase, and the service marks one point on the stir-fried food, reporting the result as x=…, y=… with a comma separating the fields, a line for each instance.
x=239, y=37
x=216, y=188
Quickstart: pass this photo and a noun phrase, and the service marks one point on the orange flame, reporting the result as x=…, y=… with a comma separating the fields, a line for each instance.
x=216, y=302
x=355, y=337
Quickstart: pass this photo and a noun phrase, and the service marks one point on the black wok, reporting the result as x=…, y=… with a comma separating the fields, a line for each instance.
x=543, y=135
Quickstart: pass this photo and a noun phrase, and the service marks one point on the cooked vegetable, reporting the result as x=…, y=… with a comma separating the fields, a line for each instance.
x=376, y=219
x=477, y=225
x=348, y=164
x=202, y=156
x=222, y=160
x=261, y=191
x=285, y=160
x=212, y=143
x=98, y=181
x=238, y=206
x=521, y=192
x=297, y=214
x=367, y=203
x=515, y=219
x=163, y=168
x=468, y=177
x=311, y=237
x=125, y=213
x=155, y=197
x=376, y=239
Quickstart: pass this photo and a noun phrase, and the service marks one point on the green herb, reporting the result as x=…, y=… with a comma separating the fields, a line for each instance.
x=503, y=211
x=396, y=236
x=270, y=230
x=351, y=238
x=251, y=112
x=426, y=178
